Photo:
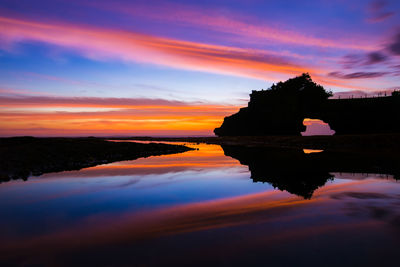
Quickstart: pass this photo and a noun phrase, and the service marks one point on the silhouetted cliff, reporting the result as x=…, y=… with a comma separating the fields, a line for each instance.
x=281, y=110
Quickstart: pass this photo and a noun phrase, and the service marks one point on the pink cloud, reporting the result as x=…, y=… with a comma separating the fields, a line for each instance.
x=107, y=44
x=247, y=28
x=104, y=44
x=46, y=101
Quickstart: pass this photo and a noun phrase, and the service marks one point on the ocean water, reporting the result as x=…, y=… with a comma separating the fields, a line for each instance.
x=211, y=206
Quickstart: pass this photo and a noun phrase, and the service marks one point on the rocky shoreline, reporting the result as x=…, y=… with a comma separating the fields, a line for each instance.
x=22, y=157
x=389, y=143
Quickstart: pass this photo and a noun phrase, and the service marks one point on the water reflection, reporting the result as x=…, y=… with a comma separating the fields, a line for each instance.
x=202, y=208
x=309, y=151
x=290, y=170
x=302, y=173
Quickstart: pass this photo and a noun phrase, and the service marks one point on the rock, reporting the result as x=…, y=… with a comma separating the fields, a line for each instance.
x=281, y=109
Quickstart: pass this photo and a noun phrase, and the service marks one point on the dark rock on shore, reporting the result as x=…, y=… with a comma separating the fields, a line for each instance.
x=21, y=157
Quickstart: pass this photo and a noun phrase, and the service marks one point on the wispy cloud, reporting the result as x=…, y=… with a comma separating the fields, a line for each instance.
x=107, y=44
x=357, y=75
x=378, y=12
x=394, y=45
x=247, y=28
x=103, y=44
x=46, y=116
x=350, y=61
x=37, y=101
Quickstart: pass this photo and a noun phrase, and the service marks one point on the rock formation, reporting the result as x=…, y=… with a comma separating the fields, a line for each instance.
x=281, y=109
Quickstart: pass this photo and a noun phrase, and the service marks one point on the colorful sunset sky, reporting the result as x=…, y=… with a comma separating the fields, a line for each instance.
x=176, y=68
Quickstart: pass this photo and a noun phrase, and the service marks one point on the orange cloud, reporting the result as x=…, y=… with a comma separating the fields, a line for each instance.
x=99, y=43
x=110, y=44
x=108, y=116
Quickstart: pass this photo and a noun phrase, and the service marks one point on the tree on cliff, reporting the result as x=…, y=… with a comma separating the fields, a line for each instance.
x=300, y=87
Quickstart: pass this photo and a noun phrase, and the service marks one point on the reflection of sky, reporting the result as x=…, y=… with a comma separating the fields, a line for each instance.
x=147, y=183
x=194, y=176
x=202, y=192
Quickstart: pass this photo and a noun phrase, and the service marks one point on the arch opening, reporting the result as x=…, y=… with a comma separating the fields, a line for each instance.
x=316, y=127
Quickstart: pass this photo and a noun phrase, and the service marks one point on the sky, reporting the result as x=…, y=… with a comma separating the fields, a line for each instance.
x=177, y=68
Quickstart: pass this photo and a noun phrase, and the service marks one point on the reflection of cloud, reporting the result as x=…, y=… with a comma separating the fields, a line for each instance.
x=361, y=176
x=376, y=206
x=207, y=158
x=360, y=195
x=176, y=219
x=309, y=151
x=297, y=219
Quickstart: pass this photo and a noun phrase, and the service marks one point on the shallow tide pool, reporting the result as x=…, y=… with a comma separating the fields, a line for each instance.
x=196, y=208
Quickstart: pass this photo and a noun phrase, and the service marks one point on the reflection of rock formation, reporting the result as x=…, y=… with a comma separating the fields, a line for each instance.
x=281, y=110
x=301, y=174
x=289, y=170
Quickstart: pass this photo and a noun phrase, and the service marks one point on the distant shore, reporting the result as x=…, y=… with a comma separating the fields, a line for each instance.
x=370, y=142
x=378, y=153
x=21, y=157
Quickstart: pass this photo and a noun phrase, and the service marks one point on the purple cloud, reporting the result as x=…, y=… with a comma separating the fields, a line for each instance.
x=394, y=46
x=377, y=12
x=375, y=57
x=357, y=75
x=353, y=60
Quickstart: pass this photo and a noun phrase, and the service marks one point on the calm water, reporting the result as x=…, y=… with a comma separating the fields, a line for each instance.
x=201, y=207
